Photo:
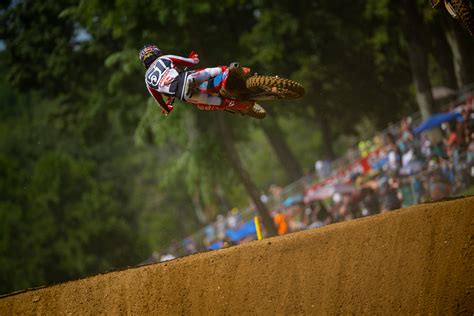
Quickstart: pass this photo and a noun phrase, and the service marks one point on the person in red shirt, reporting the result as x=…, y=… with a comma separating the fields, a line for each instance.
x=166, y=78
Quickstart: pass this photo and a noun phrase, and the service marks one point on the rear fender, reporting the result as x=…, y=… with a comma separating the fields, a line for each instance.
x=234, y=85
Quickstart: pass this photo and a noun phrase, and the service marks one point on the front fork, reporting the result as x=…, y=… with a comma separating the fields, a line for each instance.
x=450, y=9
x=438, y=4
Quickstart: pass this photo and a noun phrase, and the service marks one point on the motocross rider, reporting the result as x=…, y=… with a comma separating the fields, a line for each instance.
x=165, y=77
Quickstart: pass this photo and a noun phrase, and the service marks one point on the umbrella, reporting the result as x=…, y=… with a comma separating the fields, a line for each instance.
x=247, y=229
x=216, y=245
x=436, y=120
x=412, y=168
x=292, y=200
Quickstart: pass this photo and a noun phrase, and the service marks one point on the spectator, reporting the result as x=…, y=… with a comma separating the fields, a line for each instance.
x=406, y=192
x=310, y=214
x=323, y=169
x=295, y=216
x=189, y=246
x=390, y=199
x=393, y=158
x=335, y=206
x=438, y=186
x=344, y=213
x=167, y=257
x=220, y=226
x=233, y=218
x=281, y=223
x=324, y=216
x=406, y=130
x=210, y=233
x=227, y=242
x=352, y=205
x=425, y=147
x=452, y=139
x=470, y=152
x=370, y=201
x=438, y=150
x=275, y=191
x=417, y=189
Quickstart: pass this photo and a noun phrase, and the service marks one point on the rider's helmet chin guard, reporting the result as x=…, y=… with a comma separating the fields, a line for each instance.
x=148, y=54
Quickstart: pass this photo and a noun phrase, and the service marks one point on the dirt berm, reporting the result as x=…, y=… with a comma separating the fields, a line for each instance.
x=415, y=260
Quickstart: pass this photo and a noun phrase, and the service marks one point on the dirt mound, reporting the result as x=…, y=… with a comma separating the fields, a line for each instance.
x=416, y=260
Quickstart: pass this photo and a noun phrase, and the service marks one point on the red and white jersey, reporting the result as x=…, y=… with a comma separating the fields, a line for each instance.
x=163, y=72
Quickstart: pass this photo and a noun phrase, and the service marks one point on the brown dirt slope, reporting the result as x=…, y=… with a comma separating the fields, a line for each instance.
x=415, y=260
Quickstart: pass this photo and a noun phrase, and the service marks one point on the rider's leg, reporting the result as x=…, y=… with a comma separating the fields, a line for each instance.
x=212, y=102
x=206, y=74
x=195, y=79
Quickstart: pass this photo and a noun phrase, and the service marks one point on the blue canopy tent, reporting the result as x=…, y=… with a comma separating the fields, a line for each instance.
x=379, y=164
x=243, y=231
x=436, y=120
x=216, y=245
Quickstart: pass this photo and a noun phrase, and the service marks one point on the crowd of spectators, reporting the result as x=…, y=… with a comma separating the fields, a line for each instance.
x=404, y=165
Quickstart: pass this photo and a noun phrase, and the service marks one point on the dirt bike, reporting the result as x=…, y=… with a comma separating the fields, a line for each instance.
x=244, y=88
x=458, y=9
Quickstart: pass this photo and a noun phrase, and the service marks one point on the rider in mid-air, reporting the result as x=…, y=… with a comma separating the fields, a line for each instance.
x=165, y=77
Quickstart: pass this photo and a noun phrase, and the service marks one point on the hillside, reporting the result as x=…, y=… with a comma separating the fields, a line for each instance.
x=415, y=260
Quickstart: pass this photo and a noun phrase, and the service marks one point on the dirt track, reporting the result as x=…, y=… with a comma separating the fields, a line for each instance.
x=416, y=260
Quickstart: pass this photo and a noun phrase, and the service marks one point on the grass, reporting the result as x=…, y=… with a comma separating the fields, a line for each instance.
x=467, y=191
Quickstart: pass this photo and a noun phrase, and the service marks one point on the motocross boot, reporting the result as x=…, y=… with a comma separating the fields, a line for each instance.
x=249, y=108
x=257, y=111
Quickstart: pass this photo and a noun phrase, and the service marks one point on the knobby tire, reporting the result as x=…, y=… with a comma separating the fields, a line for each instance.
x=271, y=88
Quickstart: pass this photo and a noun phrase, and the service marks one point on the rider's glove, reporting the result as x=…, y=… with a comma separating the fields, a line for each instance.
x=168, y=109
x=194, y=55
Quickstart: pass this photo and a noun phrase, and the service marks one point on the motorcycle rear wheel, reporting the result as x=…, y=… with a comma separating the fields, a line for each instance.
x=273, y=88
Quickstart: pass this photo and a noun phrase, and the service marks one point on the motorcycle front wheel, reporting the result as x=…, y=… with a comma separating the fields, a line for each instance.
x=273, y=88
x=464, y=11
